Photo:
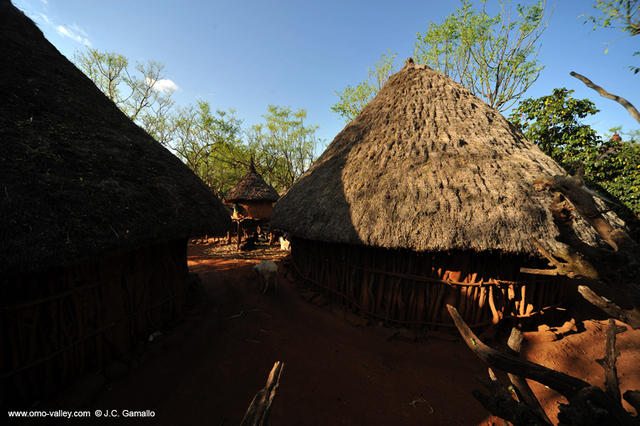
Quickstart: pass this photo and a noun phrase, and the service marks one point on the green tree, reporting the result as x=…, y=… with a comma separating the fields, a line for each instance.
x=210, y=144
x=553, y=122
x=283, y=146
x=353, y=98
x=623, y=15
x=616, y=168
x=493, y=56
x=139, y=95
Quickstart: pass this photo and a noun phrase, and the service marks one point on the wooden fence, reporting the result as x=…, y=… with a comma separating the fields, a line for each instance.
x=58, y=324
x=401, y=287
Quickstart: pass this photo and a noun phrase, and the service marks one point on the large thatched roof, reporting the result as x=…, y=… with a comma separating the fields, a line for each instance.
x=426, y=166
x=78, y=179
x=252, y=187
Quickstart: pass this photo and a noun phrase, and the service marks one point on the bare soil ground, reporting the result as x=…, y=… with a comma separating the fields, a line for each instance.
x=337, y=371
x=576, y=354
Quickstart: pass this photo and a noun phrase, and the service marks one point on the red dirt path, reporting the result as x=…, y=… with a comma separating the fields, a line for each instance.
x=207, y=369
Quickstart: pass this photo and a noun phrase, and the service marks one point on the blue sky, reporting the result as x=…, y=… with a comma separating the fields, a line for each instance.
x=248, y=54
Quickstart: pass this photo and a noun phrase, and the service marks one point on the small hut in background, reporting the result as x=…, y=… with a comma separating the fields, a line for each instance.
x=252, y=199
x=426, y=199
x=95, y=220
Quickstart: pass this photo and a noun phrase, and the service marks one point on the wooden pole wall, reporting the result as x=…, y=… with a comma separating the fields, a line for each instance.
x=412, y=289
x=59, y=324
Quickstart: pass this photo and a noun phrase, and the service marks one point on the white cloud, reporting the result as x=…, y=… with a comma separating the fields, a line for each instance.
x=72, y=34
x=77, y=29
x=45, y=18
x=163, y=85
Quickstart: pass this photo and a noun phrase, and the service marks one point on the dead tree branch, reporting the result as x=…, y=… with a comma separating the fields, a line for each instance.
x=588, y=405
x=563, y=383
x=616, y=270
x=260, y=408
x=500, y=403
x=622, y=101
x=627, y=316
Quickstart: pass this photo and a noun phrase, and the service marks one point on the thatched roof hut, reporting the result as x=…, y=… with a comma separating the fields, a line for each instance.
x=253, y=195
x=252, y=187
x=79, y=179
x=425, y=168
x=95, y=219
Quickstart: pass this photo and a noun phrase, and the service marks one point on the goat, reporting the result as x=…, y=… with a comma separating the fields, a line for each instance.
x=285, y=244
x=266, y=270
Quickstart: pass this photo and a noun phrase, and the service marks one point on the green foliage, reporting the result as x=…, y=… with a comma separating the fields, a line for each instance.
x=553, y=123
x=106, y=69
x=137, y=95
x=616, y=168
x=493, y=56
x=623, y=15
x=283, y=146
x=354, y=98
x=620, y=14
x=210, y=144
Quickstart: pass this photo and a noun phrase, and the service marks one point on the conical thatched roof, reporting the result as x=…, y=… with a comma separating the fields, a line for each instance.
x=251, y=187
x=78, y=179
x=426, y=166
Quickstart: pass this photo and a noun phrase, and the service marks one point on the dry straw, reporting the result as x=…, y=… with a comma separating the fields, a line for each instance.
x=252, y=187
x=426, y=166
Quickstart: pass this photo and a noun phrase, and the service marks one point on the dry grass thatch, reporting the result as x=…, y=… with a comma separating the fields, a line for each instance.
x=78, y=179
x=251, y=187
x=426, y=166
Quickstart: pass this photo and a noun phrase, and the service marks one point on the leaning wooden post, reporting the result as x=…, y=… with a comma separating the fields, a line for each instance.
x=524, y=392
x=238, y=229
x=260, y=408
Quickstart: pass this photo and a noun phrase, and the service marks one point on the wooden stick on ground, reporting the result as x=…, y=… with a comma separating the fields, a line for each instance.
x=609, y=363
x=260, y=408
x=525, y=394
x=633, y=398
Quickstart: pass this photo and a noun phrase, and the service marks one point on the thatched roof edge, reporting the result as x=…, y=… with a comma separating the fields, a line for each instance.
x=78, y=179
x=252, y=187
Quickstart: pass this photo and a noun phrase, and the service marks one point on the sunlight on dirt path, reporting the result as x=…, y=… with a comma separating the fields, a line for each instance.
x=207, y=369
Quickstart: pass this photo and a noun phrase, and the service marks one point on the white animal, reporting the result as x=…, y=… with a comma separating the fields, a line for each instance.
x=285, y=244
x=267, y=270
